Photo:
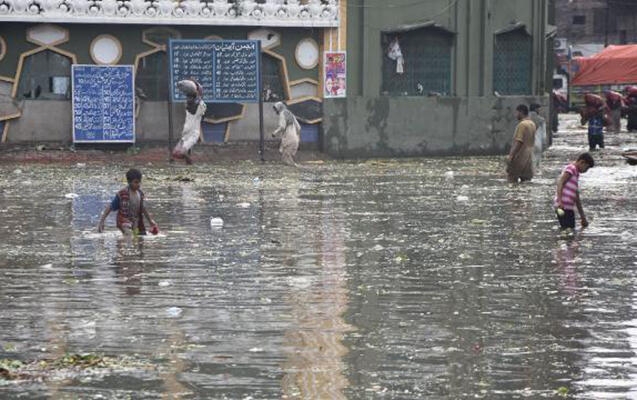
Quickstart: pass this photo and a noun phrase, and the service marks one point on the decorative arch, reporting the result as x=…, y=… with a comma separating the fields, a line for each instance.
x=3, y=47
x=159, y=36
x=29, y=53
x=283, y=71
x=152, y=93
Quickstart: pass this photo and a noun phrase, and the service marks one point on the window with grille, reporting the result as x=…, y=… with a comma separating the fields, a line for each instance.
x=427, y=63
x=271, y=76
x=512, y=56
x=45, y=75
x=151, y=79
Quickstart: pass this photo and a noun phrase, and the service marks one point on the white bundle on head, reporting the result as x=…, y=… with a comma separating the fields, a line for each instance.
x=188, y=87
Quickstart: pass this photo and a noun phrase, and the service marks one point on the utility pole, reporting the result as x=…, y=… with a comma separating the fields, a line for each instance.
x=606, y=23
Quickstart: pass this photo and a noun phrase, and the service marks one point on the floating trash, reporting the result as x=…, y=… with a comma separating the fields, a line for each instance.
x=174, y=312
x=216, y=222
x=449, y=175
x=71, y=195
x=243, y=205
x=164, y=283
x=462, y=198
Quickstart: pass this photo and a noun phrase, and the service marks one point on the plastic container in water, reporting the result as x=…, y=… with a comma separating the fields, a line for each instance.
x=216, y=222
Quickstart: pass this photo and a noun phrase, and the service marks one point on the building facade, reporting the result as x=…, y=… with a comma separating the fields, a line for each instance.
x=601, y=22
x=463, y=68
x=423, y=78
x=41, y=39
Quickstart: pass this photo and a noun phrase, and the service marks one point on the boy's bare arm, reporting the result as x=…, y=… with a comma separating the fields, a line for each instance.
x=560, y=187
x=580, y=210
x=100, y=226
x=149, y=217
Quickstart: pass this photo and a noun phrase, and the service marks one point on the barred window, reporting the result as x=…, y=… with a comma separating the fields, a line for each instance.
x=45, y=75
x=152, y=77
x=271, y=75
x=426, y=62
x=512, y=63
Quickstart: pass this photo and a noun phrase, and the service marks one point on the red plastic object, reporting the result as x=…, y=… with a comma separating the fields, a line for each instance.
x=154, y=230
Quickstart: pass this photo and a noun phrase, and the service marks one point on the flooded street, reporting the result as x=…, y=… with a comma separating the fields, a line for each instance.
x=387, y=279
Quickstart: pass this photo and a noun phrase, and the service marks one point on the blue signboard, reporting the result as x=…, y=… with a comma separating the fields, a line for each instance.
x=103, y=103
x=228, y=70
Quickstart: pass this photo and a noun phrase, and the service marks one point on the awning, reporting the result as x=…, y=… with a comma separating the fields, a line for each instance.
x=615, y=65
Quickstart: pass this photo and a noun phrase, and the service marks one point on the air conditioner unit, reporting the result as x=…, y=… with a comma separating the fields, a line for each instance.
x=560, y=44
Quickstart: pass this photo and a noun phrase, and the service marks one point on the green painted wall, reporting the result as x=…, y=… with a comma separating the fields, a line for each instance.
x=474, y=24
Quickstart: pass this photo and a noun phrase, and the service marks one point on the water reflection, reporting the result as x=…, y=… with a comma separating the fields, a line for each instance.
x=347, y=280
x=314, y=366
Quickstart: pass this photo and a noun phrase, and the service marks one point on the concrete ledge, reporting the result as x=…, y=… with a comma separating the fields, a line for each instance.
x=420, y=126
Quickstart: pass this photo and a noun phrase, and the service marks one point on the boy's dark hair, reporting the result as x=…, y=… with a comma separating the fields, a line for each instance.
x=523, y=109
x=535, y=107
x=133, y=174
x=586, y=157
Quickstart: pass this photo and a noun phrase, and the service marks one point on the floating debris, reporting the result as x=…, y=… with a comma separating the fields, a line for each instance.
x=216, y=222
x=174, y=312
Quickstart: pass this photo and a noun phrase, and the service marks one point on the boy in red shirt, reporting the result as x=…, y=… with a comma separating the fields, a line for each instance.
x=129, y=204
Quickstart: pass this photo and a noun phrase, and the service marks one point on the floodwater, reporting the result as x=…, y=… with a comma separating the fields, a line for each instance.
x=345, y=280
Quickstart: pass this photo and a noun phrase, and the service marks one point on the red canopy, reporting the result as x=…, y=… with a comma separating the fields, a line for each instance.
x=615, y=65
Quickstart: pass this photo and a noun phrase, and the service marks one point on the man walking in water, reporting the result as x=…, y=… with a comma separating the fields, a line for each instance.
x=291, y=133
x=195, y=109
x=520, y=158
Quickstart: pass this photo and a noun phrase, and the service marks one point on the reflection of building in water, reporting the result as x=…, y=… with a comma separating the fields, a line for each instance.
x=314, y=367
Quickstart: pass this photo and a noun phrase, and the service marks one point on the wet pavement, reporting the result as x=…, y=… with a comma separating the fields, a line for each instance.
x=381, y=279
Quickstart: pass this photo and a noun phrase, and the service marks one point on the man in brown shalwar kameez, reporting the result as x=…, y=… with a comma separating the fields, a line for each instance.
x=520, y=158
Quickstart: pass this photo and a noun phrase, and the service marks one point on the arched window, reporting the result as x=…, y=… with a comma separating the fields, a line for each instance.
x=272, y=81
x=512, y=55
x=426, y=62
x=45, y=75
x=151, y=78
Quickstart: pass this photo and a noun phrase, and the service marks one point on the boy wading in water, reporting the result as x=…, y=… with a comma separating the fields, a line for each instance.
x=567, y=196
x=129, y=204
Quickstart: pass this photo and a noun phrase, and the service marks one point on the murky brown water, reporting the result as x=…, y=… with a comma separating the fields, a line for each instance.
x=346, y=280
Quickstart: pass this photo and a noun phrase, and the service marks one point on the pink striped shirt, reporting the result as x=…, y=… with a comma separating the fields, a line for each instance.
x=569, y=191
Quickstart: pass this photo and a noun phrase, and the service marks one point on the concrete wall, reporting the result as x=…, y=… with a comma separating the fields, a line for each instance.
x=400, y=127
x=43, y=120
x=472, y=120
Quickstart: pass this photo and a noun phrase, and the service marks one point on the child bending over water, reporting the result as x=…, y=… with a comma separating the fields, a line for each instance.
x=567, y=196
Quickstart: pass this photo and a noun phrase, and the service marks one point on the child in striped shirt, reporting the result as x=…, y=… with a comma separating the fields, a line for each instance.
x=567, y=196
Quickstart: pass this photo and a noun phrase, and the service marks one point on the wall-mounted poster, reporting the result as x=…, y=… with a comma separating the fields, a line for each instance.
x=335, y=74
